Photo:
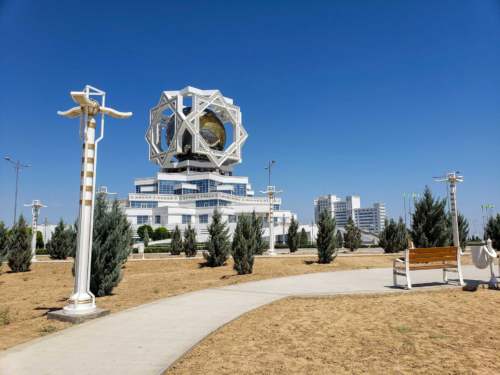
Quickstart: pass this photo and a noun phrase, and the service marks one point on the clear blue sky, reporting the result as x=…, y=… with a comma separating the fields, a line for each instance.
x=350, y=97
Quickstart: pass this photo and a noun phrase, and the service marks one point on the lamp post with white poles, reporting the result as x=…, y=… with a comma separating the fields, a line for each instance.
x=35, y=212
x=271, y=192
x=17, y=166
x=452, y=179
x=90, y=103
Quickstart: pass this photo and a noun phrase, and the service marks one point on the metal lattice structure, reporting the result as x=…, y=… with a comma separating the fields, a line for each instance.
x=177, y=128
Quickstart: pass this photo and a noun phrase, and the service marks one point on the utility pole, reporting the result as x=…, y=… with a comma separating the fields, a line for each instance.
x=82, y=301
x=45, y=223
x=18, y=165
x=35, y=212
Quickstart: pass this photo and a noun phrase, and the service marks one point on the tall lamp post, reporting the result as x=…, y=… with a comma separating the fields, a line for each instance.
x=453, y=178
x=35, y=212
x=271, y=192
x=17, y=166
x=82, y=301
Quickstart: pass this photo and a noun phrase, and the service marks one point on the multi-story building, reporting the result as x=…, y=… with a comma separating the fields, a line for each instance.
x=196, y=177
x=370, y=219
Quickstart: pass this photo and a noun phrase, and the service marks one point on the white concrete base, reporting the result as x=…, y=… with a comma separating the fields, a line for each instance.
x=68, y=316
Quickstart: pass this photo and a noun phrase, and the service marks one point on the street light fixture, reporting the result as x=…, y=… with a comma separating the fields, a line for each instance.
x=17, y=166
x=82, y=301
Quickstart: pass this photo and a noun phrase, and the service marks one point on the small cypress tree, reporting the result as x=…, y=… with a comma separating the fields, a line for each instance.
x=39, y=240
x=190, y=241
x=60, y=245
x=429, y=226
x=493, y=231
x=142, y=229
x=19, y=247
x=293, y=236
x=340, y=239
x=352, y=237
x=394, y=237
x=303, y=241
x=3, y=241
x=176, y=244
x=112, y=237
x=260, y=244
x=243, y=247
x=145, y=240
x=218, y=245
x=325, y=240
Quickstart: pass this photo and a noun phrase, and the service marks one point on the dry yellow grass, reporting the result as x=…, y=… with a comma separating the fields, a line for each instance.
x=25, y=298
x=443, y=332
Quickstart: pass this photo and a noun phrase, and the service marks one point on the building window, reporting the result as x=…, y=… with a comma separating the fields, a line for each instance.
x=203, y=219
x=157, y=219
x=186, y=219
x=141, y=220
x=231, y=218
x=137, y=189
x=143, y=204
x=240, y=189
x=211, y=203
x=166, y=187
x=276, y=207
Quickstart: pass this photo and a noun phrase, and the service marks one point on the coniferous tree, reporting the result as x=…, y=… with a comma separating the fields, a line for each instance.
x=4, y=232
x=176, y=244
x=463, y=229
x=292, y=239
x=218, y=245
x=73, y=234
x=39, y=240
x=493, y=231
x=145, y=240
x=340, y=239
x=394, y=237
x=190, y=241
x=243, y=246
x=352, y=237
x=429, y=226
x=325, y=240
x=260, y=244
x=60, y=245
x=303, y=241
x=19, y=247
x=112, y=238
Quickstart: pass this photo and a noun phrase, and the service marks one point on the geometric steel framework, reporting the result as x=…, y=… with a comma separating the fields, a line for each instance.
x=190, y=124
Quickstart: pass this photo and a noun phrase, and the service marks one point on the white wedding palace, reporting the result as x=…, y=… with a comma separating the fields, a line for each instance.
x=196, y=137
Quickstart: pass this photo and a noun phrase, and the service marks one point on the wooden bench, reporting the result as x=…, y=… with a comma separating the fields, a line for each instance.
x=445, y=258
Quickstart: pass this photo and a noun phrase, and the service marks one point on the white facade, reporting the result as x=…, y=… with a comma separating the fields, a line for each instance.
x=370, y=219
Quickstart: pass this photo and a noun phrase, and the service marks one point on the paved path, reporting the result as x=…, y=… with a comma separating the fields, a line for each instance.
x=149, y=338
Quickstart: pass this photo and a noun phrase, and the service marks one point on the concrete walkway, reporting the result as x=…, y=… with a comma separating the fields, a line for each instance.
x=149, y=338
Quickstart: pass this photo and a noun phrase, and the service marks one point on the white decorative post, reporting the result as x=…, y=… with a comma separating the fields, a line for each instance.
x=82, y=301
x=271, y=192
x=453, y=178
x=35, y=212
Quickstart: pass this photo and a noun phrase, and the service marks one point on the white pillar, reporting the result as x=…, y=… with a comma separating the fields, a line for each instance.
x=271, y=222
x=34, y=211
x=454, y=213
x=82, y=300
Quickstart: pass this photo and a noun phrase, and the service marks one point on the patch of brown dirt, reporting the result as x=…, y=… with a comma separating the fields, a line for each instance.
x=439, y=332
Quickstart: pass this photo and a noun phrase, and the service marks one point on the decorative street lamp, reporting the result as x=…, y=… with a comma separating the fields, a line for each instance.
x=82, y=301
x=271, y=192
x=17, y=166
x=35, y=212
